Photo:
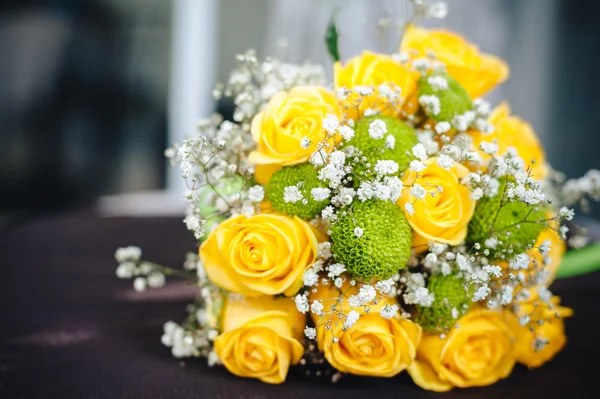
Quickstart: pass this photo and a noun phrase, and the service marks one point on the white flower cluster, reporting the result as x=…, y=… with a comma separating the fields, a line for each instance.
x=145, y=274
x=189, y=343
x=253, y=83
x=390, y=94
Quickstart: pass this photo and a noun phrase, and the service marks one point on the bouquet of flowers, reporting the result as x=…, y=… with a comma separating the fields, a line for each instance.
x=388, y=221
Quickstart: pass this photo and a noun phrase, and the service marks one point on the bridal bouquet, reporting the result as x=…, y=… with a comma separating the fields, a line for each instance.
x=388, y=221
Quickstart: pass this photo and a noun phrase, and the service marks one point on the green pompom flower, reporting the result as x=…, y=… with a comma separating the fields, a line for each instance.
x=451, y=301
x=373, y=239
x=394, y=145
x=303, y=176
x=453, y=98
x=505, y=221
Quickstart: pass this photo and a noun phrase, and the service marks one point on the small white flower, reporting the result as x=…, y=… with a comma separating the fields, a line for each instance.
x=305, y=142
x=301, y=303
x=430, y=260
x=130, y=253
x=331, y=123
x=319, y=157
x=481, y=293
x=507, y=295
x=488, y=148
x=562, y=232
x=462, y=262
x=409, y=208
x=139, y=284
x=519, y=262
x=385, y=91
x=358, y=232
x=335, y=270
x=420, y=152
x=370, y=112
x=444, y=161
x=337, y=159
x=544, y=294
x=481, y=107
x=354, y=301
x=256, y=193
x=491, y=243
x=366, y=294
x=455, y=313
x=342, y=93
x=421, y=64
x=346, y=132
x=320, y=194
x=492, y=270
x=544, y=248
x=363, y=90
x=417, y=166
x=377, y=129
x=387, y=312
x=317, y=307
x=438, y=82
x=390, y=142
x=524, y=320
x=156, y=280
x=324, y=250
x=385, y=167
x=430, y=103
x=292, y=194
x=351, y=319
x=385, y=287
x=476, y=194
x=421, y=296
x=310, y=277
x=125, y=270
x=328, y=213
x=418, y=191
x=310, y=332
x=566, y=213
x=442, y=127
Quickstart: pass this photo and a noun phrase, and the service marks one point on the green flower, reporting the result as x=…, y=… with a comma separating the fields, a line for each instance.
x=451, y=301
x=395, y=145
x=304, y=176
x=373, y=239
x=505, y=220
x=454, y=99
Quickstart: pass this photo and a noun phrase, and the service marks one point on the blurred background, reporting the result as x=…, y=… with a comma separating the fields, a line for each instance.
x=92, y=91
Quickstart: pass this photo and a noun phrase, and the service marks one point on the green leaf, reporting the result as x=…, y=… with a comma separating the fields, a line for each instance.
x=331, y=39
x=580, y=261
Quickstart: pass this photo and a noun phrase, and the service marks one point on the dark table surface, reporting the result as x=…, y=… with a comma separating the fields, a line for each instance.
x=70, y=329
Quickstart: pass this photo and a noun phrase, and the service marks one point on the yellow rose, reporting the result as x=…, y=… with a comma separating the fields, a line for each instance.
x=374, y=346
x=286, y=120
x=510, y=131
x=261, y=337
x=442, y=217
x=479, y=352
x=477, y=72
x=372, y=70
x=552, y=330
x=264, y=254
